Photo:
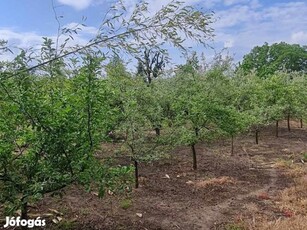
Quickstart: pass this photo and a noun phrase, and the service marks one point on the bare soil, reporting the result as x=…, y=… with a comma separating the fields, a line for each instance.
x=226, y=192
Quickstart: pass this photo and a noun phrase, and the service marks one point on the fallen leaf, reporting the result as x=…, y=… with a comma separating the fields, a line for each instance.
x=55, y=221
x=55, y=211
x=35, y=215
x=190, y=182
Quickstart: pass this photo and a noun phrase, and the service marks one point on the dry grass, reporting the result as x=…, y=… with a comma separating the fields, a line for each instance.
x=214, y=181
x=297, y=172
x=294, y=170
x=283, y=164
x=294, y=223
x=292, y=203
x=295, y=198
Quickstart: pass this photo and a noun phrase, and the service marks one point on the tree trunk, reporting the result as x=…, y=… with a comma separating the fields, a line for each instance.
x=301, y=121
x=136, y=173
x=288, y=121
x=232, y=147
x=194, y=156
x=196, y=131
x=148, y=79
x=24, y=211
x=276, y=129
x=157, y=129
x=257, y=132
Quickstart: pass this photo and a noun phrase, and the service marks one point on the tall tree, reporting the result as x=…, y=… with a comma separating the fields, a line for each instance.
x=267, y=59
x=150, y=65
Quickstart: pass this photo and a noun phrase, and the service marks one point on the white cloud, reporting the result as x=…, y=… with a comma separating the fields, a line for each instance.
x=21, y=40
x=33, y=40
x=299, y=37
x=240, y=27
x=18, y=40
x=236, y=15
x=77, y=4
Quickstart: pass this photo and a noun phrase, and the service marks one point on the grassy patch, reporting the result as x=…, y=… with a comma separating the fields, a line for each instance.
x=234, y=227
x=126, y=203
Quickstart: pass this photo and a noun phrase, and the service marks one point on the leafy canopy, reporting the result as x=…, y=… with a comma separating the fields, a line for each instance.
x=267, y=59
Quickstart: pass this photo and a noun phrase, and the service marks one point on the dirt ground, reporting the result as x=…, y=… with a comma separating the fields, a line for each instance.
x=244, y=191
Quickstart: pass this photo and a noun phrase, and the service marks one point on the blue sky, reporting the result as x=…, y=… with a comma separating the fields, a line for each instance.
x=240, y=25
